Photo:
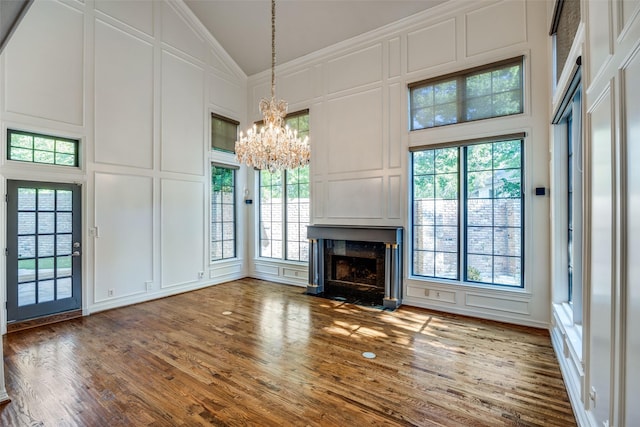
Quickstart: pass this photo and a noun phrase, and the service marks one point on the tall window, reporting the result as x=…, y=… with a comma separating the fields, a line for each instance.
x=36, y=148
x=284, y=206
x=223, y=213
x=222, y=237
x=467, y=212
x=493, y=90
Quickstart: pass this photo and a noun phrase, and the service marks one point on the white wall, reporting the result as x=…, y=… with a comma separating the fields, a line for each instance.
x=599, y=362
x=136, y=82
x=357, y=95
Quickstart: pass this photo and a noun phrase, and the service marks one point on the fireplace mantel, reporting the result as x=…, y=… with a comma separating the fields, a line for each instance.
x=390, y=236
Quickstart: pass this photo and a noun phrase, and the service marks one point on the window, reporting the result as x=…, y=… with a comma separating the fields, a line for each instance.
x=284, y=205
x=36, y=148
x=224, y=133
x=467, y=212
x=493, y=90
x=568, y=153
x=223, y=213
x=566, y=19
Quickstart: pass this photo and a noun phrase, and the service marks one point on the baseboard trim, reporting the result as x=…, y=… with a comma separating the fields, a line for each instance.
x=44, y=320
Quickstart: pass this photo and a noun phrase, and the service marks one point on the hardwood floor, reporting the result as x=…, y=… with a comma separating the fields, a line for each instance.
x=256, y=353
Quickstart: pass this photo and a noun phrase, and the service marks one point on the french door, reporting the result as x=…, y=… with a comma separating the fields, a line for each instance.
x=43, y=249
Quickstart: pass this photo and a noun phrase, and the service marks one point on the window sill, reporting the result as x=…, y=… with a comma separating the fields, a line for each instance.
x=304, y=264
x=571, y=331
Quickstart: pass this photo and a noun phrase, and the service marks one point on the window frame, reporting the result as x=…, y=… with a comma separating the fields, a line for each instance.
x=284, y=222
x=222, y=221
x=462, y=100
x=462, y=212
x=75, y=142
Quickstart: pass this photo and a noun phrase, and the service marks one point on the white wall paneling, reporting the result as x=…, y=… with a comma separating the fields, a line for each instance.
x=355, y=132
x=599, y=34
x=228, y=95
x=123, y=98
x=630, y=283
x=45, y=65
x=438, y=39
x=355, y=198
x=395, y=57
x=137, y=14
x=177, y=33
x=395, y=136
x=509, y=16
x=355, y=69
x=492, y=303
x=297, y=88
x=182, y=231
x=394, y=197
x=123, y=254
x=183, y=145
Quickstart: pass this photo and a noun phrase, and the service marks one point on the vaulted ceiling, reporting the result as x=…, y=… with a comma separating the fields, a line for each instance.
x=243, y=27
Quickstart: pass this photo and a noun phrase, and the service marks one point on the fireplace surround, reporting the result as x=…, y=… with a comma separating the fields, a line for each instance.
x=362, y=259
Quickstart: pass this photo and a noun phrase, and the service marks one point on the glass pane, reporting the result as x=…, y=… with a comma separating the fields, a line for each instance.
x=26, y=246
x=66, y=147
x=507, y=212
x=63, y=244
x=46, y=291
x=479, y=108
x=446, y=160
x=507, y=271
x=423, y=118
x=479, y=212
x=424, y=263
x=480, y=267
x=479, y=185
x=64, y=288
x=45, y=246
x=65, y=159
x=26, y=199
x=26, y=223
x=423, y=162
x=480, y=240
x=216, y=251
x=507, y=103
x=43, y=144
x=43, y=157
x=228, y=231
x=46, y=199
x=506, y=155
x=424, y=187
x=447, y=239
x=447, y=212
x=479, y=157
x=424, y=238
x=228, y=249
x=447, y=265
x=46, y=223
x=45, y=268
x=479, y=85
x=506, y=241
x=422, y=97
x=20, y=154
x=507, y=183
x=26, y=270
x=293, y=250
x=23, y=141
x=445, y=114
x=64, y=222
x=445, y=92
x=506, y=79
x=26, y=294
x=424, y=212
x=64, y=266
x=447, y=186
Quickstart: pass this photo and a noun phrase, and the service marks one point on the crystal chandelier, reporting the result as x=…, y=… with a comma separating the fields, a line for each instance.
x=275, y=146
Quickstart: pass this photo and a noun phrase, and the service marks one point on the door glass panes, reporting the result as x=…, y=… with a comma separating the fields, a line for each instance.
x=271, y=214
x=45, y=244
x=223, y=214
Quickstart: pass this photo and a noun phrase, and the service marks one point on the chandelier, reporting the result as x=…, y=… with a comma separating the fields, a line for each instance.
x=275, y=146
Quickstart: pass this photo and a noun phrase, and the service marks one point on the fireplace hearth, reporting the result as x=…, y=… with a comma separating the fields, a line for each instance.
x=356, y=264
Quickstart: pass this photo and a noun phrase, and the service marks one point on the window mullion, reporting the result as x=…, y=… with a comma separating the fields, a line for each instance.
x=285, y=216
x=462, y=209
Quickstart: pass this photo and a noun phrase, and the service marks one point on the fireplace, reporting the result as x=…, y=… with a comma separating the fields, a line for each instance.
x=357, y=264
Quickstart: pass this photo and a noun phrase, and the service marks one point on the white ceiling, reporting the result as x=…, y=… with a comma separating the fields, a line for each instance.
x=243, y=27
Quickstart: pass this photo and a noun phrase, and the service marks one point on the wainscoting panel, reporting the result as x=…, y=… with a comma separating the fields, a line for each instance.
x=178, y=34
x=123, y=98
x=124, y=235
x=599, y=35
x=297, y=87
x=355, y=69
x=137, y=14
x=182, y=116
x=227, y=95
x=355, y=132
x=355, y=198
x=56, y=32
x=439, y=40
x=394, y=196
x=182, y=231
x=510, y=305
x=395, y=57
x=395, y=136
x=510, y=16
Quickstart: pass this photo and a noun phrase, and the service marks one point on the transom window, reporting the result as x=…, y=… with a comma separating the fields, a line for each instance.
x=224, y=133
x=285, y=204
x=493, y=90
x=467, y=212
x=37, y=148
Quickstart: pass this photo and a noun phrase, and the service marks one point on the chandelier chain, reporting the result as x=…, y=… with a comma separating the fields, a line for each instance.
x=273, y=48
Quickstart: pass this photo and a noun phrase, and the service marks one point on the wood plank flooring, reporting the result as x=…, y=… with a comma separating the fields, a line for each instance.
x=251, y=352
